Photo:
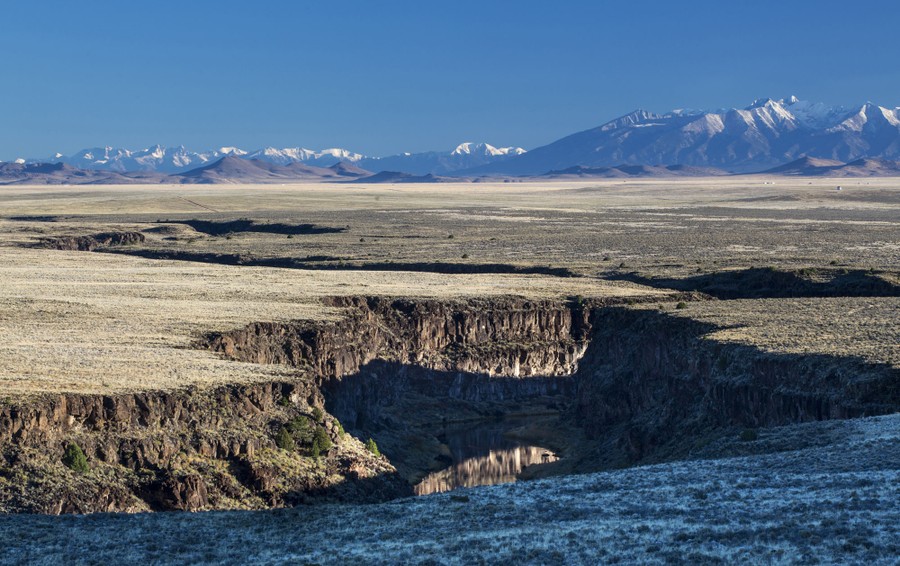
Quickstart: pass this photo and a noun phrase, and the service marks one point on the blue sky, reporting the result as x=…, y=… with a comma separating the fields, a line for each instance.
x=386, y=77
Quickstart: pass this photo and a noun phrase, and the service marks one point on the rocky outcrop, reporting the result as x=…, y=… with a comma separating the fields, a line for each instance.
x=50, y=417
x=91, y=243
x=179, y=450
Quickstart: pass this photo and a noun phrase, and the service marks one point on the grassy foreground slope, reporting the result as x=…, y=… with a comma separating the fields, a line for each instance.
x=826, y=493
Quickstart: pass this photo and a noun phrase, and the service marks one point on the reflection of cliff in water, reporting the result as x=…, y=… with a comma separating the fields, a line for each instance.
x=483, y=455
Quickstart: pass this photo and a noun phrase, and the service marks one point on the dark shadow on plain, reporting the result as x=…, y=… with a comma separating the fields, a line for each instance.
x=321, y=262
x=220, y=228
x=768, y=283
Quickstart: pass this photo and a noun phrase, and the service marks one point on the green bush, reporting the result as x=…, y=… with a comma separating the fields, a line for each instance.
x=74, y=459
x=321, y=443
x=324, y=440
x=284, y=440
x=301, y=429
x=681, y=305
x=372, y=447
x=318, y=414
x=297, y=424
x=749, y=435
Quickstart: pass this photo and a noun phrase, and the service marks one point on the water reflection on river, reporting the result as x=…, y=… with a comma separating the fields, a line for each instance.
x=483, y=455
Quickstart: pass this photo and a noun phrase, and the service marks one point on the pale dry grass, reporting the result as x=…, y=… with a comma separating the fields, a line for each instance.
x=578, y=195
x=80, y=321
x=864, y=327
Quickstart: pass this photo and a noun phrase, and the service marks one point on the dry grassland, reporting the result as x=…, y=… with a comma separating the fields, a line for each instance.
x=864, y=327
x=92, y=322
x=79, y=321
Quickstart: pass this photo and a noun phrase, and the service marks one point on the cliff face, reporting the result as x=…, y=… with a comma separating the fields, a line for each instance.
x=395, y=370
x=651, y=386
x=91, y=243
x=180, y=450
x=502, y=338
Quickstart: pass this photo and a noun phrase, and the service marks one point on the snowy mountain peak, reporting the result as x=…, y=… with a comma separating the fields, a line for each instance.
x=288, y=155
x=869, y=116
x=470, y=148
x=762, y=103
x=464, y=148
x=630, y=119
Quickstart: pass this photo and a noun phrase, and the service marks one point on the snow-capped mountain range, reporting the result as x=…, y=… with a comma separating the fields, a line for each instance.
x=153, y=159
x=161, y=159
x=765, y=134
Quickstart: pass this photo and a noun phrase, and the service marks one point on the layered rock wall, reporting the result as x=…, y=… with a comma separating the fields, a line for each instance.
x=502, y=338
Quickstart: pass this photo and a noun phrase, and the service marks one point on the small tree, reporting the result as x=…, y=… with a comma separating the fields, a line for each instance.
x=74, y=459
x=284, y=440
x=321, y=443
x=323, y=440
x=318, y=414
x=372, y=447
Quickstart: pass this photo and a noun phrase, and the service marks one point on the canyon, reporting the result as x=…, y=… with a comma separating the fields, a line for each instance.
x=637, y=384
x=601, y=352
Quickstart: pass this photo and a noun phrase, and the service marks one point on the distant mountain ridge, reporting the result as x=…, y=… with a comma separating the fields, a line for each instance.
x=179, y=159
x=625, y=171
x=234, y=169
x=812, y=167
